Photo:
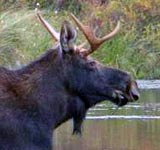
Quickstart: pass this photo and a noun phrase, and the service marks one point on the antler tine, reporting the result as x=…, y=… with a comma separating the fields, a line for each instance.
x=55, y=35
x=90, y=36
x=113, y=33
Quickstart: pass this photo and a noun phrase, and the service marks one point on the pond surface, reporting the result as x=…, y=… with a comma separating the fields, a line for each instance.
x=133, y=127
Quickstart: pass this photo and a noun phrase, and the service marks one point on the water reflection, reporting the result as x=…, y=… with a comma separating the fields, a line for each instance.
x=116, y=133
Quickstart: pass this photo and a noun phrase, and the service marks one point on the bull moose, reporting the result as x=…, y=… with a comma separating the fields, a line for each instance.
x=61, y=85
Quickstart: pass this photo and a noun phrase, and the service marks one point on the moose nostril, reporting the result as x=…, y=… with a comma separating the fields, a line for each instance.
x=136, y=97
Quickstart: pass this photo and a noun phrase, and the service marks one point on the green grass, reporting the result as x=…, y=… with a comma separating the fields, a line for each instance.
x=135, y=49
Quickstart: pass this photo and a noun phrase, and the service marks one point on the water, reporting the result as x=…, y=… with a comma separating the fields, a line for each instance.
x=133, y=127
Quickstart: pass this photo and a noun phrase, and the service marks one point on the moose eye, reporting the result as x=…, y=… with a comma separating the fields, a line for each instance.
x=92, y=63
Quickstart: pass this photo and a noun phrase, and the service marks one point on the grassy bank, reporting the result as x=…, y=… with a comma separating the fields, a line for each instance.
x=135, y=49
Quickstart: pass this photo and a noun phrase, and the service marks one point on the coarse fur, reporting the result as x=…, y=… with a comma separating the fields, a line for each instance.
x=59, y=86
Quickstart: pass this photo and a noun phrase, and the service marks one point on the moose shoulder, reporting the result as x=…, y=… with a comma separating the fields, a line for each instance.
x=63, y=84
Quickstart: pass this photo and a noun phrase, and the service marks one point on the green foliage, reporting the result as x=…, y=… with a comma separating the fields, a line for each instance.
x=71, y=5
x=21, y=37
x=135, y=49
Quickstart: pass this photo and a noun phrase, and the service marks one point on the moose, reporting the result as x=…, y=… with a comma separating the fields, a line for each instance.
x=60, y=85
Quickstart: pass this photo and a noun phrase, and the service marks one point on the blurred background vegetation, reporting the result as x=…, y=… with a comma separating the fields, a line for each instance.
x=135, y=49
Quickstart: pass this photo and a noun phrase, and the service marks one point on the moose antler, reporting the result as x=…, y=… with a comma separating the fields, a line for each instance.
x=50, y=29
x=94, y=41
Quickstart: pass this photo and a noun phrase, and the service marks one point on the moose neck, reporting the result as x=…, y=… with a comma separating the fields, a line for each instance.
x=45, y=95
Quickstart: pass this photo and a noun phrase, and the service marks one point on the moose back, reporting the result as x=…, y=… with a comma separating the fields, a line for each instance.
x=61, y=85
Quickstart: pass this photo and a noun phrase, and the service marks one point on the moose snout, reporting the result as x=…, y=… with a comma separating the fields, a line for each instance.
x=134, y=92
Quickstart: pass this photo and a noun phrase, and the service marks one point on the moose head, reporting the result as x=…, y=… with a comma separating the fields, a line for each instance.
x=83, y=77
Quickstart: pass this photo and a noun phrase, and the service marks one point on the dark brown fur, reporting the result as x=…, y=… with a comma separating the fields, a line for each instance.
x=60, y=85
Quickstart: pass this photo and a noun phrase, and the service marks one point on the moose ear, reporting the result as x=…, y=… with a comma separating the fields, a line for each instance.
x=67, y=37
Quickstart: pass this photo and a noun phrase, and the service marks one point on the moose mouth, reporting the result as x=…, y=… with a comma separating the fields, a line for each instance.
x=122, y=98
